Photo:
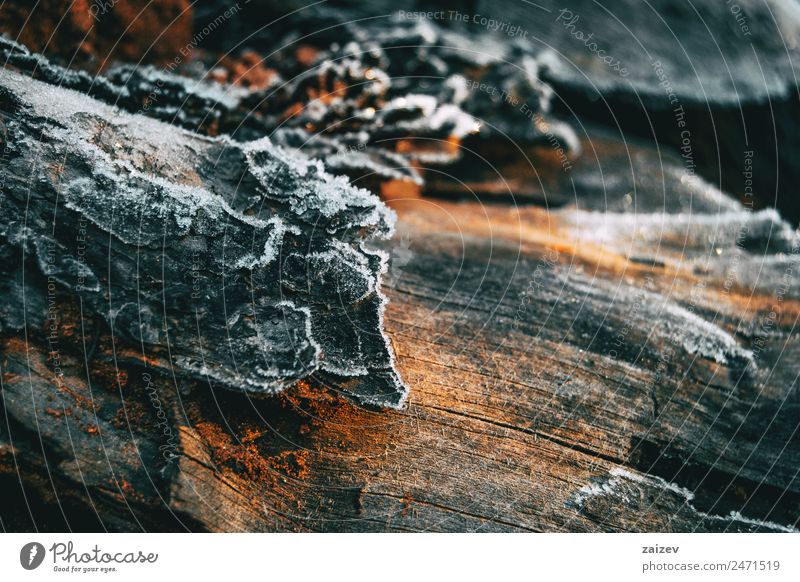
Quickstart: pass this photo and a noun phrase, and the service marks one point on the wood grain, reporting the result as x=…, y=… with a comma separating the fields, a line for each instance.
x=596, y=366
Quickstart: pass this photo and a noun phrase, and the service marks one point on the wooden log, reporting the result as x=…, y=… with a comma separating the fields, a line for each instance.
x=626, y=362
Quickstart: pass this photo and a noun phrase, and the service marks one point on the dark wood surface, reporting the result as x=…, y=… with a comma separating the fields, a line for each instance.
x=623, y=359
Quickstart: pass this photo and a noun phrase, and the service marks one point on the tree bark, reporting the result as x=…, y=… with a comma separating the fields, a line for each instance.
x=624, y=362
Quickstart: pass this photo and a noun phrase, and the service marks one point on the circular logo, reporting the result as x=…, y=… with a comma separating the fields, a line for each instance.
x=31, y=555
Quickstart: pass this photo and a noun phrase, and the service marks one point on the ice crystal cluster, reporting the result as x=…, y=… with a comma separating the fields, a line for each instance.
x=372, y=100
x=236, y=262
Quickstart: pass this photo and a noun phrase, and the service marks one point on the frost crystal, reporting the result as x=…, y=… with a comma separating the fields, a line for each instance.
x=241, y=263
x=376, y=106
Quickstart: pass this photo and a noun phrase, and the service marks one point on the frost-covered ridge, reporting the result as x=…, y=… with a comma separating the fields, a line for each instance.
x=237, y=262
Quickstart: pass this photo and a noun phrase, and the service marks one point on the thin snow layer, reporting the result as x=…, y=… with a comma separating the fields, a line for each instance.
x=700, y=231
x=377, y=98
x=246, y=260
x=617, y=485
x=348, y=155
x=425, y=111
x=678, y=325
x=314, y=195
x=749, y=250
x=149, y=79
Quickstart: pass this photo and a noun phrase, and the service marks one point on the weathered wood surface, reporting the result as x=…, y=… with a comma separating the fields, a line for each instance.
x=625, y=361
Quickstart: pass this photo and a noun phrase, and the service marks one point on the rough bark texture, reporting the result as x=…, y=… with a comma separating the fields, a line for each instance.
x=728, y=68
x=600, y=344
x=582, y=368
x=257, y=251
x=93, y=34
